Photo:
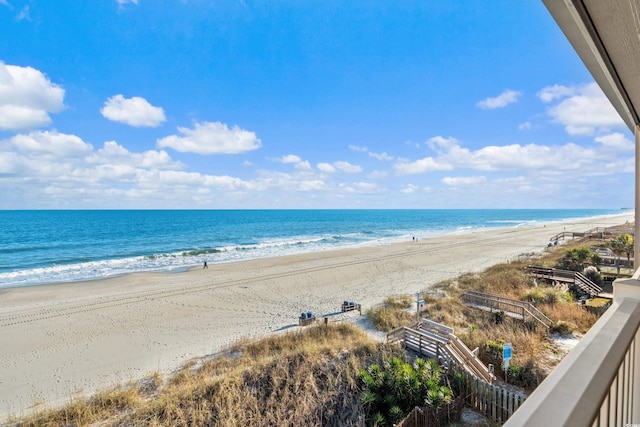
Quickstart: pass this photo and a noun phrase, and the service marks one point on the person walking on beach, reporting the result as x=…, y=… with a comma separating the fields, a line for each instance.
x=205, y=265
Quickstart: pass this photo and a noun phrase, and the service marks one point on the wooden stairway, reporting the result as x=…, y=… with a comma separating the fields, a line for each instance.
x=438, y=342
x=565, y=276
x=521, y=310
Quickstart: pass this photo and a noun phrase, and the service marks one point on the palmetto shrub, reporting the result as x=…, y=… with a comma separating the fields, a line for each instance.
x=389, y=394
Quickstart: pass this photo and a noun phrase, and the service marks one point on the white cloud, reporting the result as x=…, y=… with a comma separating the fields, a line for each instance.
x=378, y=175
x=24, y=15
x=290, y=158
x=305, y=165
x=409, y=189
x=59, y=168
x=63, y=170
x=378, y=156
x=312, y=185
x=428, y=164
x=459, y=181
x=134, y=111
x=622, y=165
x=616, y=141
x=360, y=187
x=580, y=109
x=358, y=148
x=15, y=117
x=505, y=98
x=114, y=153
x=50, y=143
x=290, y=183
x=211, y=138
x=27, y=97
x=296, y=161
x=123, y=2
x=347, y=167
x=551, y=93
x=451, y=155
x=325, y=167
x=381, y=156
x=525, y=126
x=10, y=163
x=6, y=3
x=440, y=143
x=530, y=156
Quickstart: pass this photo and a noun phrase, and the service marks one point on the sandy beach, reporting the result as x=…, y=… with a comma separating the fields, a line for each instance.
x=64, y=340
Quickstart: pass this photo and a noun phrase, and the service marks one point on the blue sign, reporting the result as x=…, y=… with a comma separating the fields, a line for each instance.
x=506, y=351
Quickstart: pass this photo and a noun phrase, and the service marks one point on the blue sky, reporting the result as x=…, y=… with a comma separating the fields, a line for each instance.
x=183, y=104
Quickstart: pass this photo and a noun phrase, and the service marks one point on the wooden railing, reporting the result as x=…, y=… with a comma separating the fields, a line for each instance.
x=425, y=417
x=494, y=401
x=587, y=285
x=598, y=382
x=598, y=232
x=439, y=343
x=522, y=310
x=565, y=276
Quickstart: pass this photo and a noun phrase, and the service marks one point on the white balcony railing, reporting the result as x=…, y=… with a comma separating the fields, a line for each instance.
x=598, y=382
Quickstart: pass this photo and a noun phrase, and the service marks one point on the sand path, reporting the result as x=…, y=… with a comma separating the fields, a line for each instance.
x=64, y=340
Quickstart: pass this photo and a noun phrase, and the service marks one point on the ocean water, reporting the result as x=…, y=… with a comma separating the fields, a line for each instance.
x=38, y=247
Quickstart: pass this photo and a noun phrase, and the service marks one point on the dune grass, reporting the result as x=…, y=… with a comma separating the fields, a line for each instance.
x=534, y=353
x=393, y=313
x=309, y=377
x=299, y=378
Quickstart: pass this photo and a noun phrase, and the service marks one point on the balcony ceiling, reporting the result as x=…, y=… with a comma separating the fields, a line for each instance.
x=606, y=36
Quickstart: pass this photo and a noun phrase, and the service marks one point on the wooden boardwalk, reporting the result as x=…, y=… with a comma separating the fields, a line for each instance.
x=600, y=233
x=514, y=308
x=438, y=342
x=565, y=276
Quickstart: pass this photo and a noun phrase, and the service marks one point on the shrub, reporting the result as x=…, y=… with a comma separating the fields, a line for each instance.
x=539, y=296
x=577, y=259
x=523, y=376
x=562, y=327
x=389, y=394
x=534, y=295
x=593, y=274
x=498, y=317
x=387, y=319
x=401, y=301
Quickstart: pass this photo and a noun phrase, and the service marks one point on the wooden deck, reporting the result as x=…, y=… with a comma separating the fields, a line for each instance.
x=599, y=233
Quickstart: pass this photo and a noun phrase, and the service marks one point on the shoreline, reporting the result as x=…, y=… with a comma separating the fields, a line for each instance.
x=70, y=339
x=105, y=268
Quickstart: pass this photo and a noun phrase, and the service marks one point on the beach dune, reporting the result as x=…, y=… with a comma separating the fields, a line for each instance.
x=66, y=340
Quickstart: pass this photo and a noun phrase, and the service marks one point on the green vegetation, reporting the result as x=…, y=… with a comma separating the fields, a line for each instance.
x=306, y=378
x=622, y=245
x=390, y=393
x=534, y=354
x=394, y=313
x=579, y=258
x=550, y=296
x=336, y=374
x=498, y=317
